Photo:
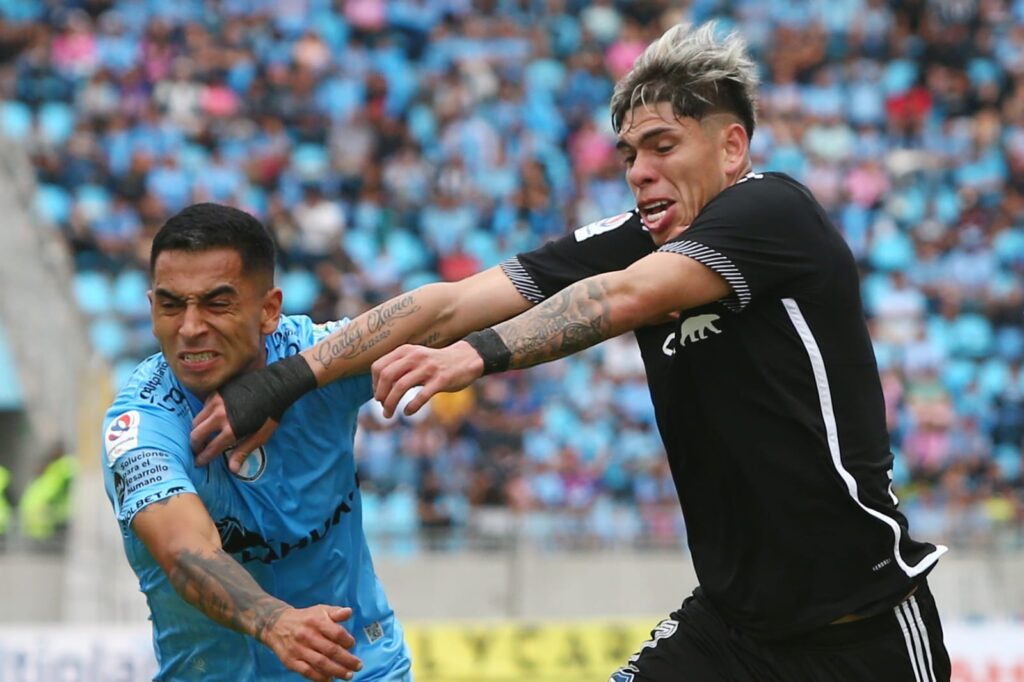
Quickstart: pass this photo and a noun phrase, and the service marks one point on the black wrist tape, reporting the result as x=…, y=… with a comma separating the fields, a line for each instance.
x=252, y=398
x=492, y=349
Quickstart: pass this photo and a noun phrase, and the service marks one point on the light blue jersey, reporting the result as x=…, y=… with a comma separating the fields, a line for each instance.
x=292, y=517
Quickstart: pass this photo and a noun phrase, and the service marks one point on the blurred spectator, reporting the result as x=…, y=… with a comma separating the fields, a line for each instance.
x=45, y=506
x=321, y=225
x=5, y=504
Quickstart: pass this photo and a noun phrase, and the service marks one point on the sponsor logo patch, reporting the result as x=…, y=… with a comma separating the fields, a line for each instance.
x=253, y=466
x=146, y=469
x=122, y=435
x=622, y=676
x=373, y=632
x=601, y=226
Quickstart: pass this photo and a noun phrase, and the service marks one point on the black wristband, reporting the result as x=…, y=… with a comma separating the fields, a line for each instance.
x=252, y=398
x=492, y=349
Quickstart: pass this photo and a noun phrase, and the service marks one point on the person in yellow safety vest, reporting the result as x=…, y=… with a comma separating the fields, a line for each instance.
x=5, y=506
x=46, y=502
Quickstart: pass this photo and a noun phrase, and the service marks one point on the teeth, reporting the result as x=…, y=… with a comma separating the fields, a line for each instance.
x=198, y=357
x=655, y=217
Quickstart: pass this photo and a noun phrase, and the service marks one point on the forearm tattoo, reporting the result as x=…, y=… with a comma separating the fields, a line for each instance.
x=218, y=586
x=571, y=320
x=365, y=332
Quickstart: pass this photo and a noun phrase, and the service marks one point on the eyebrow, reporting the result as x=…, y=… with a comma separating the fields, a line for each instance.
x=203, y=298
x=624, y=146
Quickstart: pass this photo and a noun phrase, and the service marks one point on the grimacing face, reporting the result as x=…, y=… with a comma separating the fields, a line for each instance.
x=677, y=165
x=210, y=317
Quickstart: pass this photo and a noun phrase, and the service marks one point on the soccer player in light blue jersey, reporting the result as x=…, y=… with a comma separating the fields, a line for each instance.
x=248, y=574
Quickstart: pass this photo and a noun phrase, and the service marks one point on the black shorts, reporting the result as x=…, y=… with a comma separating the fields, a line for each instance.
x=901, y=644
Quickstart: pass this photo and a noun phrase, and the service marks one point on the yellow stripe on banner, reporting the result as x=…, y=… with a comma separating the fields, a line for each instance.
x=566, y=651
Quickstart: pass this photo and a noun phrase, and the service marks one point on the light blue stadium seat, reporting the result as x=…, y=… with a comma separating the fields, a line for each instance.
x=93, y=201
x=310, y=160
x=193, y=158
x=874, y=288
x=894, y=251
x=973, y=335
x=399, y=517
x=407, y=250
x=15, y=119
x=1009, y=342
x=482, y=246
x=371, y=513
x=52, y=204
x=122, y=371
x=56, y=122
x=993, y=377
x=300, y=289
x=108, y=336
x=418, y=279
x=957, y=374
x=11, y=397
x=1007, y=459
x=130, y=289
x=362, y=246
x=93, y=292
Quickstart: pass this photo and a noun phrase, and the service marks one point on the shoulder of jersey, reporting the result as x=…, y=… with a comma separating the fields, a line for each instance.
x=629, y=218
x=149, y=385
x=149, y=375
x=294, y=332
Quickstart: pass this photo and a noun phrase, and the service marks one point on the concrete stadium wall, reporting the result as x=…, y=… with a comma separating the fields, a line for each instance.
x=526, y=585
x=45, y=331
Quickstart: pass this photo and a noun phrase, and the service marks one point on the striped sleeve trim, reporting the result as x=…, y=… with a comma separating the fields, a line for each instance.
x=720, y=264
x=522, y=281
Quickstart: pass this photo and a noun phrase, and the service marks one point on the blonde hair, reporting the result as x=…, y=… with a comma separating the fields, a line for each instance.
x=696, y=72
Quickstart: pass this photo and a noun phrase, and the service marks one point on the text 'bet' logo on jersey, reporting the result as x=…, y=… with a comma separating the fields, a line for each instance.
x=253, y=466
x=601, y=226
x=122, y=435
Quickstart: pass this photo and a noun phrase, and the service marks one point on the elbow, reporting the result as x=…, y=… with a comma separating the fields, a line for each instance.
x=442, y=299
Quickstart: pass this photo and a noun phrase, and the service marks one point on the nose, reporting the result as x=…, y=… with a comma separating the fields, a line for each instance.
x=641, y=172
x=192, y=323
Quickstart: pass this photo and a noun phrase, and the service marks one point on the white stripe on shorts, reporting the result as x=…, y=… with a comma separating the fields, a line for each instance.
x=923, y=630
x=912, y=627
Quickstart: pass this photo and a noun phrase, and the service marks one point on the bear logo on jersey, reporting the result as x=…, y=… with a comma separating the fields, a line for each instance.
x=696, y=328
x=253, y=466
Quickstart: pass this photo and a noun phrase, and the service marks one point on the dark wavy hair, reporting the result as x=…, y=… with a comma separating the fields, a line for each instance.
x=696, y=72
x=201, y=227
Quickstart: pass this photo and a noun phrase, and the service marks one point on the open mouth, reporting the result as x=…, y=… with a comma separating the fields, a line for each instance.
x=654, y=213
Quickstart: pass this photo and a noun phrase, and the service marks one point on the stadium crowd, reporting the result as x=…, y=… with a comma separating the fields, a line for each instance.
x=389, y=144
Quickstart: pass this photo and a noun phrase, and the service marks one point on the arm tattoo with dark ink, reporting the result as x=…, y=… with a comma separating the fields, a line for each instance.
x=576, y=318
x=218, y=586
x=348, y=343
x=383, y=314
x=429, y=339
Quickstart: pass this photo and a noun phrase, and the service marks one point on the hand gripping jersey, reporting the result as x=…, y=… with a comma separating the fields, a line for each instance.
x=292, y=517
x=770, y=407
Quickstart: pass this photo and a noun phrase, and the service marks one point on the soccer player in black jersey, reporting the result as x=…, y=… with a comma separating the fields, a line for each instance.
x=745, y=302
x=749, y=318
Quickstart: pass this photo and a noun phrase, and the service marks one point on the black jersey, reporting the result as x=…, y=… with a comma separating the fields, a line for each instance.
x=770, y=407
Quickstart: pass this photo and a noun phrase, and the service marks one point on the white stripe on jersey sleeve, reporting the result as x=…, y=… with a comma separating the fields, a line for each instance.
x=521, y=280
x=710, y=258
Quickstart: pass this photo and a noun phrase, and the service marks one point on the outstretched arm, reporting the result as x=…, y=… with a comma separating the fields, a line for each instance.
x=580, y=316
x=181, y=536
x=433, y=315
